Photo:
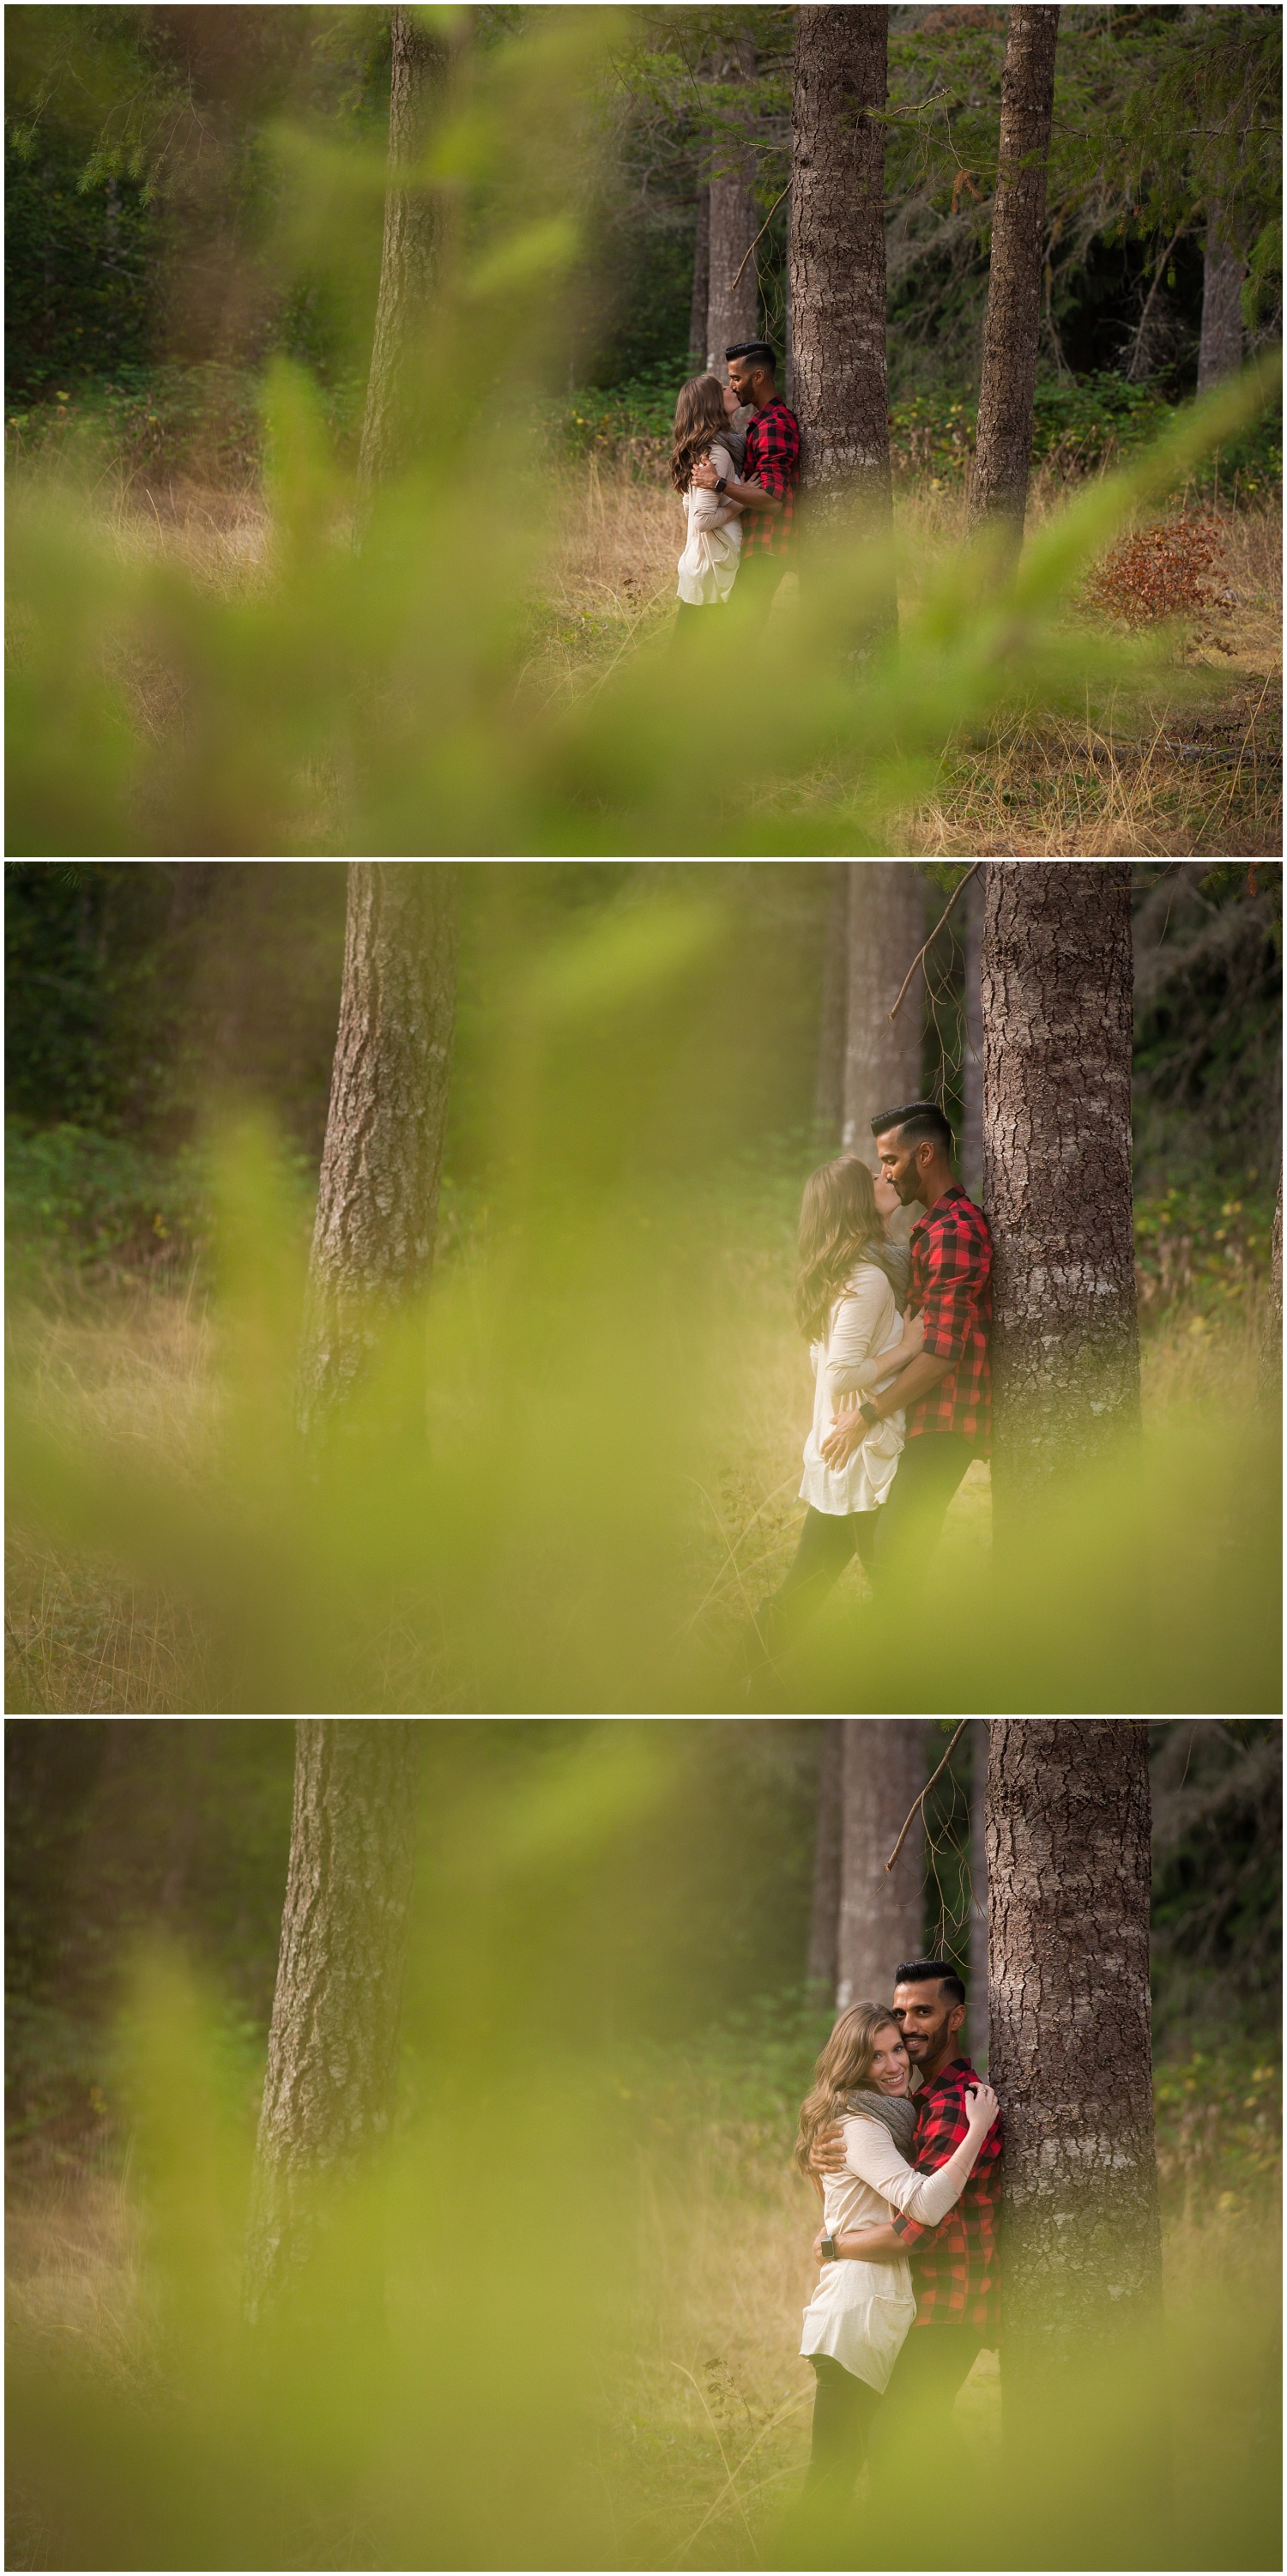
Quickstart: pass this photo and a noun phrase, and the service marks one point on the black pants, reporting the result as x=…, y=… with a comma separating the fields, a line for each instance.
x=916, y=2412
x=757, y=580
x=823, y=1550
x=930, y=1468
x=843, y=2408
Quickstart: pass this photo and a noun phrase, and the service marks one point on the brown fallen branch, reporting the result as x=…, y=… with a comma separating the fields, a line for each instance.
x=763, y=229
x=935, y=1775
x=932, y=937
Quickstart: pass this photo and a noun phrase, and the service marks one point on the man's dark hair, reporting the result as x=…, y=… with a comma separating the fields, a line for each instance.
x=918, y=1972
x=758, y=350
x=916, y=1119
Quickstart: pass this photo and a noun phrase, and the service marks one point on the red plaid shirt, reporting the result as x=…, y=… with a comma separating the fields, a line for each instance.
x=772, y=461
x=951, y=1252
x=955, y=2272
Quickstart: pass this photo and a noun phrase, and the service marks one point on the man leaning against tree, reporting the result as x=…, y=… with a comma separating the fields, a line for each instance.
x=941, y=1378
x=955, y=2272
x=771, y=471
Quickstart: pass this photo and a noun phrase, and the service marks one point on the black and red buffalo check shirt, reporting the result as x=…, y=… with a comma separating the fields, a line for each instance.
x=951, y=1286
x=955, y=2272
x=772, y=461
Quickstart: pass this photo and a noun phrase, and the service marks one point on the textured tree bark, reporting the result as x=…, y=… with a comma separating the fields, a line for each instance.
x=882, y=1058
x=333, y=2042
x=378, y=1200
x=1069, y=1869
x=837, y=269
x=881, y=1918
x=972, y=1068
x=1057, y=989
x=1220, y=345
x=999, y=484
x=977, y=2024
x=733, y=308
x=824, y=1919
x=701, y=277
x=829, y=1090
x=409, y=264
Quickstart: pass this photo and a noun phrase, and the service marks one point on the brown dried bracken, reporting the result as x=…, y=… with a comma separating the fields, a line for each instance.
x=1165, y=572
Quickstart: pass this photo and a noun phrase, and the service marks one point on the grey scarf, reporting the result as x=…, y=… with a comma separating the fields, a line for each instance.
x=895, y=2112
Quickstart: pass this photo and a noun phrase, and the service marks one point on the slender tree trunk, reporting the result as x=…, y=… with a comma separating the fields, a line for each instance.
x=837, y=266
x=733, y=310
x=1069, y=1869
x=378, y=1200
x=882, y=1918
x=829, y=1091
x=882, y=1057
x=701, y=276
x=824, y=1920
x=333, y=2042
x=977, y=2025
x=409, y=265
x=1220, y=346
x=972, y=1068
x=1271, y=1336
x=1057, y=1168
x=999, y=484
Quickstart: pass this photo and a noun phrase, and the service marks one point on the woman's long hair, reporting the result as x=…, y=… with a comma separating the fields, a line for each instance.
x=839, y=1225
x=700, y=419
x=844, y=2065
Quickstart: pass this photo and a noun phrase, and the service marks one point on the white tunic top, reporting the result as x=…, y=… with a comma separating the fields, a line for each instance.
x=860, y=2312
x=864, y=1321
x=709, y=562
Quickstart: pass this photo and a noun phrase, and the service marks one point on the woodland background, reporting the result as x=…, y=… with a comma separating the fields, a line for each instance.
x=193, y=202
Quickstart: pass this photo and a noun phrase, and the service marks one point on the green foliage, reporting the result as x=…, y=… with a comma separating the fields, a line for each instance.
x=78, y=273
x=84, y=1199
x=1219, y=2131
x=1080, y=425
x=1208, y=1035
x=1196, y=1245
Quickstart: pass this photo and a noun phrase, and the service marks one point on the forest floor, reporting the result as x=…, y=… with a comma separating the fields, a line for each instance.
x=1189, y=767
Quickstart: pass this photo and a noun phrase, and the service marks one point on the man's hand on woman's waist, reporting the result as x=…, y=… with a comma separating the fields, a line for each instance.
x=751, y=495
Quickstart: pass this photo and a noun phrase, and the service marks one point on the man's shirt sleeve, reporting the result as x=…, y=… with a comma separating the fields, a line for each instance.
x=777, y=454
x=958, y=1262
x=935, y=2146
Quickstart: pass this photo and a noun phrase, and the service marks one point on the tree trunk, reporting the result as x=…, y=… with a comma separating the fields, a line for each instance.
x=829, y=1091
x=409, y=265
x=824, y=1920
x=882, y=1057
x=972, y=1067
x=1271, y=1335
x=733, y=310
x=882, y=1918
x=977, y=2025
x=837, y=266
x=999, y=484
x=1069, y=1868
x=378, y=1199
x=333, y=2042
x=1056, y=974
x=701, y=278
x=1220, y=346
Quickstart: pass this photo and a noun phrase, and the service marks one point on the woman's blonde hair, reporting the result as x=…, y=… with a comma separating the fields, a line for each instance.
x=700, y=419
x=845, y=2065
x=839, y=1224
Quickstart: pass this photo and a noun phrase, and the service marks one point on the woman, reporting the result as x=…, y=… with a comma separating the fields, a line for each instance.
x=709, y=562
x=850, y=1283
x=856, y=2321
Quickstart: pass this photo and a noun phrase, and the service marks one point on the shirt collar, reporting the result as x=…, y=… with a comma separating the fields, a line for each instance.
x=953, y=1191
x=958, y=2070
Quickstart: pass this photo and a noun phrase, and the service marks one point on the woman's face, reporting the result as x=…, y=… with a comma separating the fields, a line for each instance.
x=891, y=2067
x=731, y=402
x=887, y=1198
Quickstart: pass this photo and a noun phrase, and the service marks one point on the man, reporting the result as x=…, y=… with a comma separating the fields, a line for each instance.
x=942, y=1381
x=772, y=471
x=954, y=2266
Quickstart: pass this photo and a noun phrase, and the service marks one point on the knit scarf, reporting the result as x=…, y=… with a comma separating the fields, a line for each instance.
x=895, y=2112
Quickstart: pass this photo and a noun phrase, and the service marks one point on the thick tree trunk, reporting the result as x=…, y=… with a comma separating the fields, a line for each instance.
x=1069, y=1868
x=824, y=1920
x=378, y=1200
x=837, y=266
x=733, y=309
x=1220, y=346
x=881, y=1917
x=333, y=2043
x=882, y=1057
x=701, y=277
x=829, y=1090
x=977, y=2025
x=400, y=354
x=999, y=484
x=972, y=1067
x=1057, y=1167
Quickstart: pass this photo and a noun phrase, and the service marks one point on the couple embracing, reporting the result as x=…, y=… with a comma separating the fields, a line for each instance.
x=909, y=2290
x=737, y=485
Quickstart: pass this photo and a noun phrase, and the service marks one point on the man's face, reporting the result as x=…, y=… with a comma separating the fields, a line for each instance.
x=903, y=1164
x=926, y=2018
x=748, y=381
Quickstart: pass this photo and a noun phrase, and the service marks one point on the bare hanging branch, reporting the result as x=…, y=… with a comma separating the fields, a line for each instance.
x=934, y=1775
x=763, y=229
x=921, y=952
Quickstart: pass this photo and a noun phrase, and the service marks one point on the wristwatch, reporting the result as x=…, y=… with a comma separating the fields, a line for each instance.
x=867, y=1413
x=829, y=2254
x=720, y=482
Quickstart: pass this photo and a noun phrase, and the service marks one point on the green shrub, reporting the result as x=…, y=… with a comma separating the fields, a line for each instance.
x=91, y=1199
x=1202, y=1244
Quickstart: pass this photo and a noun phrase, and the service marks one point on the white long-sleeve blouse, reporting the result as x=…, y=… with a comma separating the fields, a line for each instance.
x=864, y=1322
